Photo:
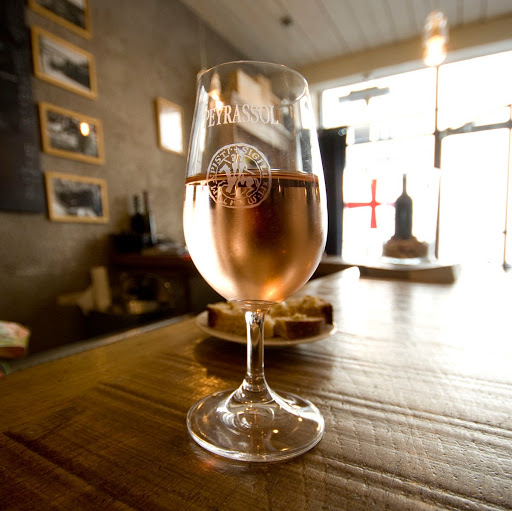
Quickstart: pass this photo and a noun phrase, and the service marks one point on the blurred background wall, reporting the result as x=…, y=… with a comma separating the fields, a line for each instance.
x=142, y=50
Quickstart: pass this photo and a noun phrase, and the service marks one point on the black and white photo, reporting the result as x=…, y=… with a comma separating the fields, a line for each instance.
x=70, y=134
x=72, y=14
x=63, y=64
x=73, y=198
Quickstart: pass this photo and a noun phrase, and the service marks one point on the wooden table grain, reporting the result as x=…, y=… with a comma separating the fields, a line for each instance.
x=415, y=388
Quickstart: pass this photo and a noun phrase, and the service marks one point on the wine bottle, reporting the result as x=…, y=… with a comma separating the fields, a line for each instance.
x=149, y=219
x=137, y=221
x=403, y=214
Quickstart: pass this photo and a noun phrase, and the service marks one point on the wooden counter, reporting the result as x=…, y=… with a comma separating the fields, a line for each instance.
x=415, y=388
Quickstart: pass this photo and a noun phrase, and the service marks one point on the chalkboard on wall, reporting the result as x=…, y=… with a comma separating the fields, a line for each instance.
x=21, y=180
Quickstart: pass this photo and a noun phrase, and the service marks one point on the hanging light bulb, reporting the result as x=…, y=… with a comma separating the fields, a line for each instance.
x=435, y=38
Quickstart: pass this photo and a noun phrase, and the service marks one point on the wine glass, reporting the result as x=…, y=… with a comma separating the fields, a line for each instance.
x=255, y=225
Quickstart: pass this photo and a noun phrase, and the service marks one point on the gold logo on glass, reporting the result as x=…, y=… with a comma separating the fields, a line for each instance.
x=239, y=176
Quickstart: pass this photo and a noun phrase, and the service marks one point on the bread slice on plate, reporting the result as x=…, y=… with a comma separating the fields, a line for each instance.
x=298, y=326
x=309, y=306
x=229, y=318
x=297, y=318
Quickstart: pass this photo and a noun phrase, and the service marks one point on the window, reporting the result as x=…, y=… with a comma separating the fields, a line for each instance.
x=475, y=91
x=393, y=107
x=391, y=131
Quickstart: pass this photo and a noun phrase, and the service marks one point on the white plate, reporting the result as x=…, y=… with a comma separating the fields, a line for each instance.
x=202, y=323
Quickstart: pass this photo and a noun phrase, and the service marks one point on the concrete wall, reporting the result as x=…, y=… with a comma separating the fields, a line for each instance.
x=142, y=50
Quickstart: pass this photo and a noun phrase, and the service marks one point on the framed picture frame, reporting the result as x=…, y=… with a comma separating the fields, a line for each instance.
x=169, y=121
x=70, y=134
x=74, y=198
x=74, y=15
x=63, y=64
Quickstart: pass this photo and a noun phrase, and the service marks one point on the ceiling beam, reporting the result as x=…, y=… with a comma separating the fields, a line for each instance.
x=473, y=35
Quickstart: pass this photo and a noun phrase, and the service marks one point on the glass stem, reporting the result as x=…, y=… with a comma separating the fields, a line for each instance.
x=254, y=388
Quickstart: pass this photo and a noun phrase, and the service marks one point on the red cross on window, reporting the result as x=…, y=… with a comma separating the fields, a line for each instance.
x=373, y=204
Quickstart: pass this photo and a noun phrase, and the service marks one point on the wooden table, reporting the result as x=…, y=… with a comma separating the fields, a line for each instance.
x=415, y=388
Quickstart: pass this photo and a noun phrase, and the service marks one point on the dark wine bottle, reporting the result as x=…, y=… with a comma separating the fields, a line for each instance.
x=137, y=221
x=403, y=214
x=149, y=219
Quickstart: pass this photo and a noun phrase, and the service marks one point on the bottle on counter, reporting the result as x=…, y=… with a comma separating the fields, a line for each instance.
x=137, y=220
x=149, y=219
x=403, y=214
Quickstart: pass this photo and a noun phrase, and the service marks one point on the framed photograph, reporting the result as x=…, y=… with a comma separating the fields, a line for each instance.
x=169, y=120
x=76, y=198
x=58, y=62
x=72, y=14
x=71, y=134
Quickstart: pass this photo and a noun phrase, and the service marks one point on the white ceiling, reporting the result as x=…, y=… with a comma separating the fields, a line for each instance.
x=323, y=29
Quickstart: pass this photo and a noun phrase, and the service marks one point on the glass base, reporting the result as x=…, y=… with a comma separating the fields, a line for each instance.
x=278, y=428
